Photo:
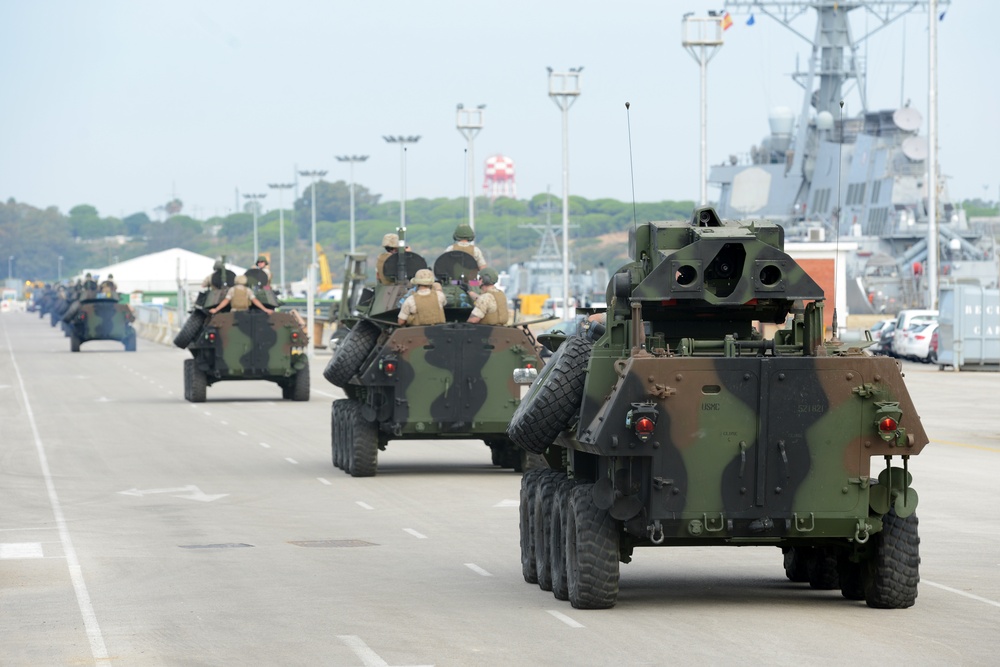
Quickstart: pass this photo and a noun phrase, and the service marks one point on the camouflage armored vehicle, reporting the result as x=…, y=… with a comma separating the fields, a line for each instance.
x=245, y=344
x=450, y=380
x=99, y=318
x=681, y=423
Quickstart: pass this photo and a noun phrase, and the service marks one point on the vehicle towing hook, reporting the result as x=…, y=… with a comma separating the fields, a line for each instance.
x=656, y=535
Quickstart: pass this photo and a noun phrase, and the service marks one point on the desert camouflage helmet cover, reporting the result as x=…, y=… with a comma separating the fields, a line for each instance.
x=390, y=240
x=423, y=277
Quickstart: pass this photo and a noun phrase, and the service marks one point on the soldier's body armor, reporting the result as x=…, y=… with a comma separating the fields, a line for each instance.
x=429, y=310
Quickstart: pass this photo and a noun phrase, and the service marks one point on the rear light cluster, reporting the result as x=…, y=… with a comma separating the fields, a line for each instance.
x=388, y=367
x=887, y=419
x=211, y=336
x=642, y=420
x=295, y=336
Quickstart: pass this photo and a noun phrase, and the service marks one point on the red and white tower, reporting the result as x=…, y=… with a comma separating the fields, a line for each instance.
x=499, y=180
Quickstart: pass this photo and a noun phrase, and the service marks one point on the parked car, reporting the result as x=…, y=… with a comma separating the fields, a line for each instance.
x=933, y=354
x=877, y=330
x=916, y=341
x=883, y=343
x=903, y=321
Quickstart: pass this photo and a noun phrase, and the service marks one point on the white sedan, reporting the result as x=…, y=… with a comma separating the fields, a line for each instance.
x=916, y=342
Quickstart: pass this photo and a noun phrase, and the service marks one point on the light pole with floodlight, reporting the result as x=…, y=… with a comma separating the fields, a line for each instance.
x=351, y=159
x=470, y=123
x=254, y=200
x=281, y=187
x=311, y=296
x=402, y=141
x=564, y=89
x=702, y=37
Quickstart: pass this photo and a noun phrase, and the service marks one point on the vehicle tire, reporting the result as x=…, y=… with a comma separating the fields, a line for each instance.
x=363, y=444
x=188, y=367
x=300, y=385
x=796, y=564
x=892, y=573
x=541, y=525
x=74, y=343
x=557, y=537
x=347, y=434
x=336, y=338
x=528, y=484
x=130, y=342
x=351, y=353
x=191, y=328
x=199, y=384
x=822, y=568
x=336, y=429
x=851, y=580
x=554, y=399
x=591, y=552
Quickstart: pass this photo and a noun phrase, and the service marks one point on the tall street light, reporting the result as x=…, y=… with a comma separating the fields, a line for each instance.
x=702, y=37
x=402, y=141
x=351, y=159
x=564, y=89
x=311, y=296
x=470, y=123
x=254, y=200
x=281, y=187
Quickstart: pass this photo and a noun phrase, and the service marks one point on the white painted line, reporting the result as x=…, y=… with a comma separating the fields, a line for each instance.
x=207, y=414
x=415, y=534
x=170, y=393
x=478, y=570
x=242, y=432
x=224, y=422
x=364, y=652
x=292, y=461
x=506, y=502
x=21, y=550
x=90, y=624
x=323, y=393
x=962, y=593
x=324, y=481
x=265, y=445
x=363, y=505
x=565, y=619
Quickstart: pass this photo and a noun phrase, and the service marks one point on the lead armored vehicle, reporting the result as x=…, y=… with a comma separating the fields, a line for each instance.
x=99, y=317
x=685, y=424
x=450, y=380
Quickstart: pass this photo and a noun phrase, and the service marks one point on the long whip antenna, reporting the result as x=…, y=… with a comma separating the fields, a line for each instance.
x=840, y=206
x=631, y=168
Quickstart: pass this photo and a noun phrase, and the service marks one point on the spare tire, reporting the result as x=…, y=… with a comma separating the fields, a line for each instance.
x=351, y=353
x=554, y=399
x=191, y=328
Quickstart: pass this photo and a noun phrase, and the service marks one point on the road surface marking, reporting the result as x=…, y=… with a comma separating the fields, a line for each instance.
x=242, y=432
x=565, y=619
x=207, y=414
x=191, y=492
x=962, y=593
x=966, y=445
x=265, y=445
x=90, y=624
x=21, y=550
x=415, y=534
x=369, y=657
x=508, y=503
x=224, y=422
x=362, y=504
x=478, y=570
x=292, y=461
x=323, y=481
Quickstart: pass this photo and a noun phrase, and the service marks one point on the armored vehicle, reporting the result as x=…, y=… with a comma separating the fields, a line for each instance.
x=245, y=344
x=446, y=380
x=100, y=318
x=682, y=423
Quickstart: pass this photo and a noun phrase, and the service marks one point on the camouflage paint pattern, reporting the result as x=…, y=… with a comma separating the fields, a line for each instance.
x=102, y=319
x=250, y=344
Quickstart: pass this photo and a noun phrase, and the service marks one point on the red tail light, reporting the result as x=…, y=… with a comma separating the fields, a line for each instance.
x=295, y=335
x=211, y=336
x=389, y=368
x=887, y=425
x=644, y=427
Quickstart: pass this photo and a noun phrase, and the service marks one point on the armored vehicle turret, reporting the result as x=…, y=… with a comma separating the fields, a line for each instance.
x=94, y=316
x=450, y=379
x=682, y=422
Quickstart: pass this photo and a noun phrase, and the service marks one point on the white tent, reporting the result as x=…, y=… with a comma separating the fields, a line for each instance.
x=160, y=271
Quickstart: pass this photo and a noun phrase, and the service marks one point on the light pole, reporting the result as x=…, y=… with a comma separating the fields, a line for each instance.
x=311, y=296
x=470, y=123
x=351, y=159
x=280, y=187
x=402, y=141
x=702, y=37
x=254, y=200
x=564, y=89
x=59, y=270
x=10, y=267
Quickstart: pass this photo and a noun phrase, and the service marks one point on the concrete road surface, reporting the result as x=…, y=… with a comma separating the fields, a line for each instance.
x=139, y=529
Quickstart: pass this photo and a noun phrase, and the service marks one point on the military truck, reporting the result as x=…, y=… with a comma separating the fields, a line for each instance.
x=450, y=380
x=681, y=422
x=243, y=345
x=99, y=318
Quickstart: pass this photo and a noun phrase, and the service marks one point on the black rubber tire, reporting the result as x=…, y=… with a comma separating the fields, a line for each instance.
x=337, y=430
x=199, y=384
x=363, y=444
x=528, y=484
x=892, y=574
x=130, y=342
x=300, y=386
x=74, y=343
x=541, y=524
x=796, y=561
x=554, y=399
x=557, y=538
x=192, y=326
x=822, y=568
x=591, y=552
x=188, y=367
x=851, y=579
x=351, y=353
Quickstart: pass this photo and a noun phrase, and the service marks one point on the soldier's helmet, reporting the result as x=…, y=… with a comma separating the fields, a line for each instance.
x=260, y=259
x=219, y=265
x=423, y=277
x=489, y=276
x=390, y=241
x=241, y=280
x=111, y=276
x=464, y=233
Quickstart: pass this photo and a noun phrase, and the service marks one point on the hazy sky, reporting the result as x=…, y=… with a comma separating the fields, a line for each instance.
x=121, y=103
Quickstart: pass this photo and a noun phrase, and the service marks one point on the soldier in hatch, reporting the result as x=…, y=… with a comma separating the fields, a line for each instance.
x=107, y=287
x=464, y=237
x=426, y=305
x=216, y=268
x=262, y=265
x=240, y=296
x=391, y=244
x=491, y=305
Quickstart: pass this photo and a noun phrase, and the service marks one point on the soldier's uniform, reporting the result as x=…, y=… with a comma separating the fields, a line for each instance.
x=464, y=237
x=391, y=244
x=491, y=307
x=426, y=305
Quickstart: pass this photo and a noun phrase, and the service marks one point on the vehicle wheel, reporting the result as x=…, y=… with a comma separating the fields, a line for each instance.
x=528, y=484
x=191, y=328
x=199, y=384
x=554, y=398
x=557, y=537
x=74, y=343
x=541, y=524
x=336, y=338
x=892, y=574
x=300, y=386
x=591, y=552
x=351, y=353
x=363, y=444
x=130, y=342
x=188, y=367
x=822, y=568
x=347, y=435
x=796, y=564
x=336, y=429
x=851, y=580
